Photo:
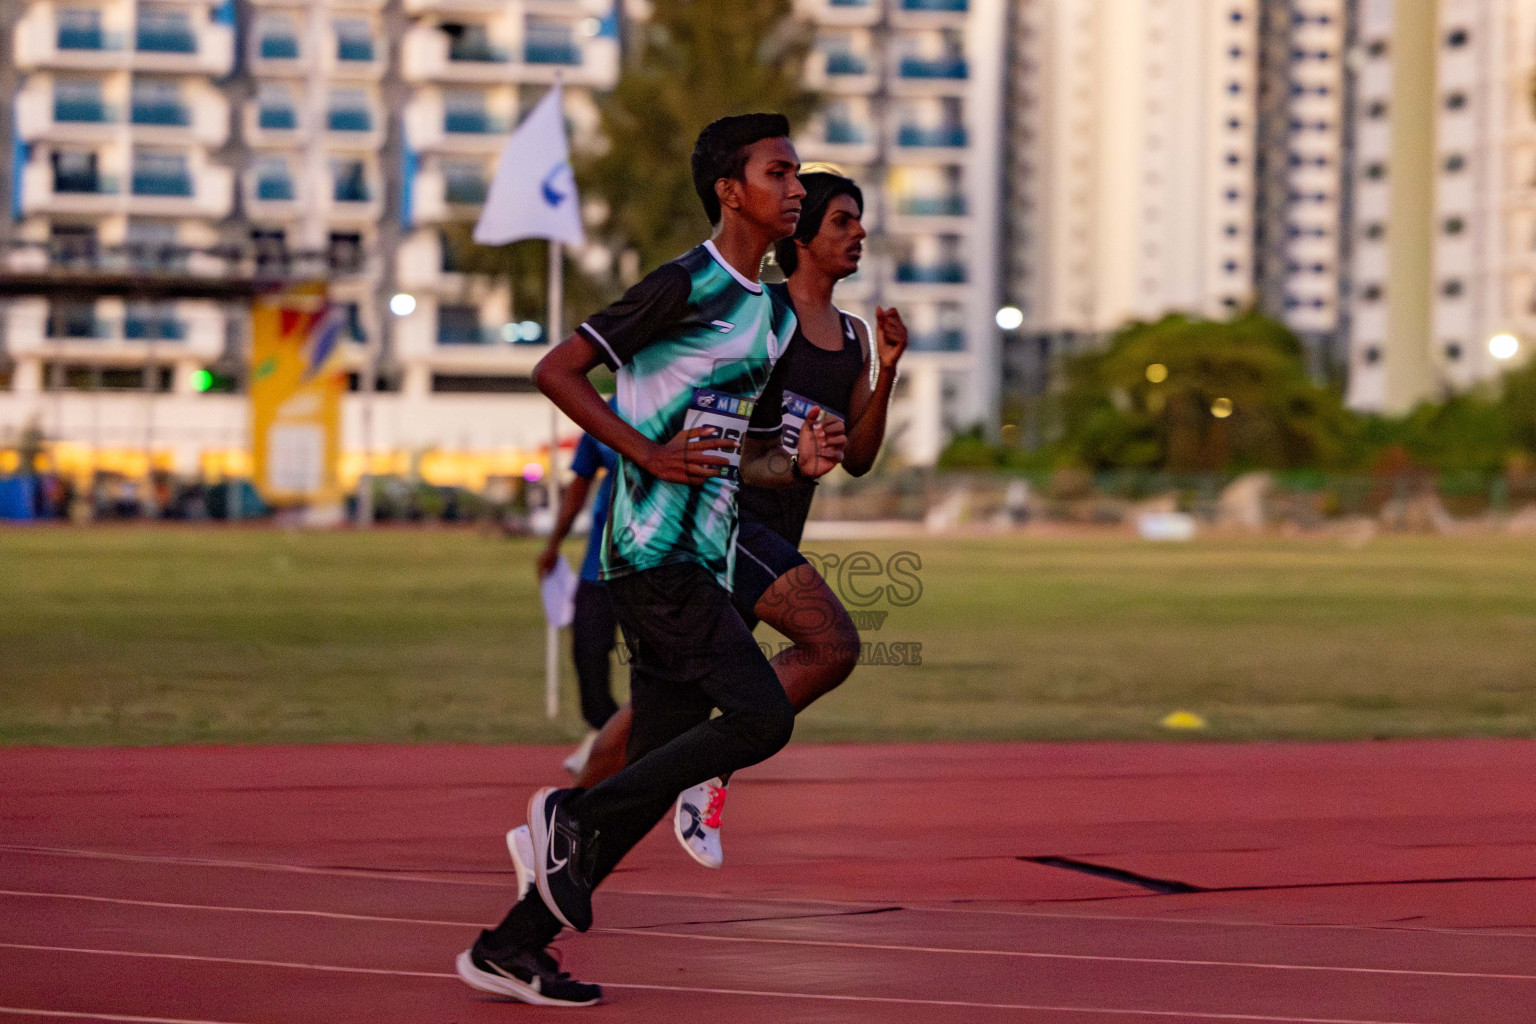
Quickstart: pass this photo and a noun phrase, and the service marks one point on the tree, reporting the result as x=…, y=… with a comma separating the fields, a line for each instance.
x=692, y=62
x=1191, y=395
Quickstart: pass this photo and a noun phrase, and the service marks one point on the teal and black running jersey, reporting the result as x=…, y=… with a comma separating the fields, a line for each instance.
x=694, y=343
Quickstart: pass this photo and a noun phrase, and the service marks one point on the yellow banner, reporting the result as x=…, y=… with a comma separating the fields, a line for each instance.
x=296, y=388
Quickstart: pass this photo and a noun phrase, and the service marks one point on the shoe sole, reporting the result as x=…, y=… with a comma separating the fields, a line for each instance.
x=677, y=830
x=525, y=870
x=500, y=985
x=538, y=829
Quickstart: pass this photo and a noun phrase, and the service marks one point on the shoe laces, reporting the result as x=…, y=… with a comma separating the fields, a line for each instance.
x=715, y=807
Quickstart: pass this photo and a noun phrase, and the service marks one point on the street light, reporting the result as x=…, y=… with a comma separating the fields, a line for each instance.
x=1503, y=346
x=402, y=304
x=1010, y=318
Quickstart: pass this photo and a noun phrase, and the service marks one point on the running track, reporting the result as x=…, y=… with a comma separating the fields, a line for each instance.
x=1374, y=882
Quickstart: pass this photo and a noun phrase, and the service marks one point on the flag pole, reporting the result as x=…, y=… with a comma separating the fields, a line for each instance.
x=551, y=632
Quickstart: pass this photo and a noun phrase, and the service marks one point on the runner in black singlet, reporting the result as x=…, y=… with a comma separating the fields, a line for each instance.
x=831, y=365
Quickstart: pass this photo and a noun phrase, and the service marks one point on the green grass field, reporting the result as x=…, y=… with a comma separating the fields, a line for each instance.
x=169, y=635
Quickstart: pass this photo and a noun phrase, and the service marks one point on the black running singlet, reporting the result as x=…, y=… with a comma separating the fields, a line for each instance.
x=816, y=376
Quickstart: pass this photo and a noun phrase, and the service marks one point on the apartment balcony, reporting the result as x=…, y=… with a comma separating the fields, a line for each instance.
x=841, y=71
x=204, y=48
x=111, y=332
x=435, y=196
x=930, y=214
x=839, y=13
x=351, y=200
x=930, y=76
x=928, y=13
x=944, y=272
x=938, y=341
x=274, y=125
x=201, y=119
x=271, y=196
x=838, y=140
x=40, y=115
x=431, y=126
x=349, y=57
x=277, y=53
x=354, y=128
x=429, y=55
x=943, y=144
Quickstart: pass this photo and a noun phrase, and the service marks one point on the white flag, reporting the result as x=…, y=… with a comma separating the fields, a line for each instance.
x=533, y=194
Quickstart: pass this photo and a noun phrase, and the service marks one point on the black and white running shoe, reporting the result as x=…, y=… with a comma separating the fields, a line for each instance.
x=564, y=858
x=528, y=975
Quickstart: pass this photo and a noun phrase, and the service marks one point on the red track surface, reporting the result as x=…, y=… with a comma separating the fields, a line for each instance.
x=1383, y=882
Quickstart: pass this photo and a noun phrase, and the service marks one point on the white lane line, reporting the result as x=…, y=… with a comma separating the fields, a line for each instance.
x=390, y=876
x=80, y=1015
x=1071, y=956
x=761, y=994
x=279, y=912
x=247, y=865
x=815, y=943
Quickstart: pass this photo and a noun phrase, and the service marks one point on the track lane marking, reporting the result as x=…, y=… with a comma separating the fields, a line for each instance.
x=884, y=1000
x=82, y=1015
x=386, y=875
x=816, y=943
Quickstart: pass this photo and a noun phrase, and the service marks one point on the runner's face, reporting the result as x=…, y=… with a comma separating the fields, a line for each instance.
x=839, y=242
x=770, y=195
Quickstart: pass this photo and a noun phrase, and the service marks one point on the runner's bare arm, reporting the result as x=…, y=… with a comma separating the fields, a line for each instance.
x=765, y=464
x=868, y=406
x=562, y=376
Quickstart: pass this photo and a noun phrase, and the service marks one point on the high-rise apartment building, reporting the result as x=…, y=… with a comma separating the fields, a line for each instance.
x=913, y=94
x=352, y=131
x=1300, y=198
x=1445, y=196
x=1131, y=142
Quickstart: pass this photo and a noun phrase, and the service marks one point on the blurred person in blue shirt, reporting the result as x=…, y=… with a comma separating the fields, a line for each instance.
x=594, y=624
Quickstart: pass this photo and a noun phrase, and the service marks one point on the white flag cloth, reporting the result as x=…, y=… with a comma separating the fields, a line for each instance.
x=558, y=592
x=533, y=194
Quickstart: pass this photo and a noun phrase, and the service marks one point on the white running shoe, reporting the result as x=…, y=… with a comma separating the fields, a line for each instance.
x=577, y=761
x=520, y=846
x=696, y=822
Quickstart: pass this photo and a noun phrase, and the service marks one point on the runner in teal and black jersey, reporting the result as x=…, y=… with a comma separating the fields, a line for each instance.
x=696, y=348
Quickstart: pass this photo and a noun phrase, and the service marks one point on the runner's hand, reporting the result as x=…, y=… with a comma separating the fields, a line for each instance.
x=890, y=337
x=821, y=443
x=546, y=563
x=689, y=458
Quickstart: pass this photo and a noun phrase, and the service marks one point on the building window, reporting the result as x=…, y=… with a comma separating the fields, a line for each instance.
x=1371, y=293
x=1456, y=101
x=1377, y=110
x=1372, y=355
x=1456, y=38
x=1451, y=289
x=1376, y=171
x=1377, y=48
x=1453, y=351
x=1454, y=225
x=1455, y=162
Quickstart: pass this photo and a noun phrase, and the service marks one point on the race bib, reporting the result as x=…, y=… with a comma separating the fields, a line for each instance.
x=726, y=416
x=796, y=408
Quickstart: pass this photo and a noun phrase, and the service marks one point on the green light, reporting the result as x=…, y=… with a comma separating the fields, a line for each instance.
x=202, y=380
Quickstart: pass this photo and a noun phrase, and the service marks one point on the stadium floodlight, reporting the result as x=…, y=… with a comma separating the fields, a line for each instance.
x=1221, y=408
x=1157, y=373
x=402, y=304
x=1010, y=318
x=1503, y=346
